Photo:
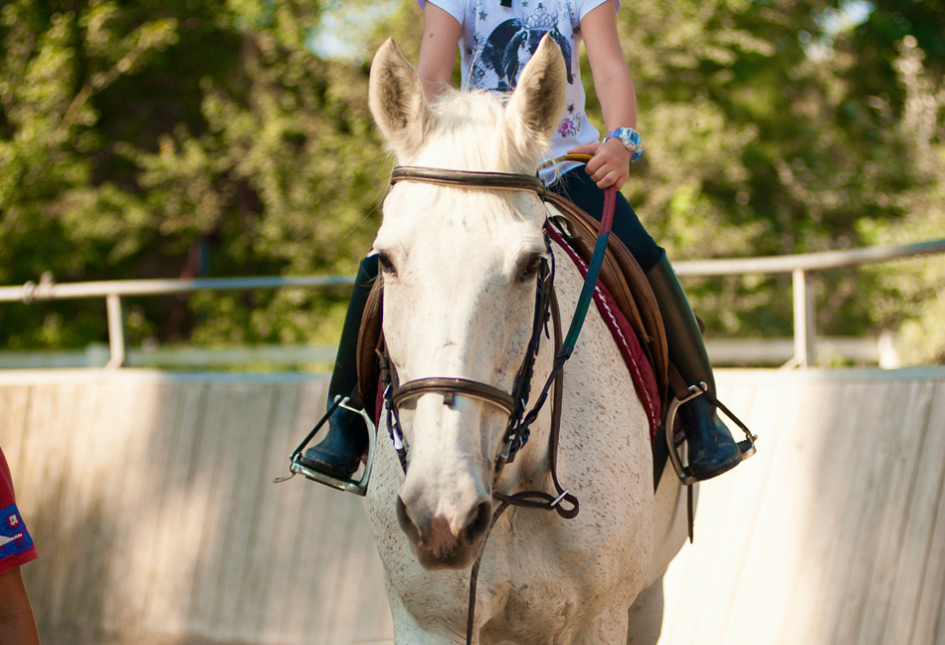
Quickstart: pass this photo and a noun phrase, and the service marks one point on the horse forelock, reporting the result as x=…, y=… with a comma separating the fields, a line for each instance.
x=466, y=131
x=469, y=130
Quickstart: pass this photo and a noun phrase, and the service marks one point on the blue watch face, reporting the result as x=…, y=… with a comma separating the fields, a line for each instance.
x=630, y=138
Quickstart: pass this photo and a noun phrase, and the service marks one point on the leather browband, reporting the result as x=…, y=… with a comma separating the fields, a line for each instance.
x=449, y=386
x=468, y=178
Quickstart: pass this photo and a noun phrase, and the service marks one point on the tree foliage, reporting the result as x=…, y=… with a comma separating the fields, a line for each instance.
x=771, y=132
x=179, y=139
x=146, y=139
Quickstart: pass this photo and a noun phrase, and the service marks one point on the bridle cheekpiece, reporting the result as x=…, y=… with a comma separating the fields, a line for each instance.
x=512, y=403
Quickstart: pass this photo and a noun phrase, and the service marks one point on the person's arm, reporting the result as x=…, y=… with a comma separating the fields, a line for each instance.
x=614, y=87
x=441, y=33
x=17, y=624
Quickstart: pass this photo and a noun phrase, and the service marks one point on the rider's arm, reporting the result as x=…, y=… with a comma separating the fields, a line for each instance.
x=614, y=88
x=17, y=624
x=441, y=33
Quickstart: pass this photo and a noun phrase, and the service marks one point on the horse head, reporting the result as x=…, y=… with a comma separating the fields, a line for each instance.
x=459, y=266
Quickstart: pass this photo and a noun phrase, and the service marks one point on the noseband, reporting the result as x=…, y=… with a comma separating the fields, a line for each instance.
x=449, y=387
x=513, y=403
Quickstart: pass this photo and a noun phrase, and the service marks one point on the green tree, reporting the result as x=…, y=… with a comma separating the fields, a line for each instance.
x=146, y=139
x=179, y=139
x=766, y=139
x=897, y=87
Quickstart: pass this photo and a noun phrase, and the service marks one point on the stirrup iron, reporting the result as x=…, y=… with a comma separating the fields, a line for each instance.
x=348, y=485
x=746, y=447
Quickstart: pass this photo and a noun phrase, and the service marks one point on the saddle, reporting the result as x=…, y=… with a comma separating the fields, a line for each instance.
x=623, y=281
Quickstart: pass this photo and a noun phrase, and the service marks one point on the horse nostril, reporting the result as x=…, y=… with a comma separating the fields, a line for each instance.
x=482, y=516
x=406, y=522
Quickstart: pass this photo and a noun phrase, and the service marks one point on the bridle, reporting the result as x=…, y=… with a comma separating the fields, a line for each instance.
x=512, y=403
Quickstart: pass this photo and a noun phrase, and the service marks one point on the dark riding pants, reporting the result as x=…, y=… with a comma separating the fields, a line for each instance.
x=578, y=186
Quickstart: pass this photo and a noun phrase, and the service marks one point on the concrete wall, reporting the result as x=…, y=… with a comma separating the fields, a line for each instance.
x=152, y=504
x=835, y=533
x=151, y=501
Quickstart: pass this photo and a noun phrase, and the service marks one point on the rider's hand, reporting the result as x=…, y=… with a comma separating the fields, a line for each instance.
x=610, y=163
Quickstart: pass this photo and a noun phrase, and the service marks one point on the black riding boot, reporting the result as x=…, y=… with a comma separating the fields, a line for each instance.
x=339, y=453
x=712, y=451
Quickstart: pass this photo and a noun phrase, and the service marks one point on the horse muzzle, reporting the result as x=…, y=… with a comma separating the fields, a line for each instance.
x=445, y=538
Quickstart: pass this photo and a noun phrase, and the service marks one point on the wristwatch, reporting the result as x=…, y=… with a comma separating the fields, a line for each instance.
x=630, y=138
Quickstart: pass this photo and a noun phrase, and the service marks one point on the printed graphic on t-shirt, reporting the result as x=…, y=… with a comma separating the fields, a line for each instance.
x=498, y=58
x=14, y=538
x=500, y=37
x=511, y=44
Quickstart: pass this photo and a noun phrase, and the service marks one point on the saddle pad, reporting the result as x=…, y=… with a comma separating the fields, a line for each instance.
x=623, y=279
x=641, y=372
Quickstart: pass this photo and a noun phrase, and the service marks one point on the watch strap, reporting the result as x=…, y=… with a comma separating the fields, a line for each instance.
x=631, y=140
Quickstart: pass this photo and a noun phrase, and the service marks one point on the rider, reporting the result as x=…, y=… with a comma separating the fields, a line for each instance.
x=494, y=36
x=17, y=624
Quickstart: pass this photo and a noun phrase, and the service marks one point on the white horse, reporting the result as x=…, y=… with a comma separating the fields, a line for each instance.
x=459, y=270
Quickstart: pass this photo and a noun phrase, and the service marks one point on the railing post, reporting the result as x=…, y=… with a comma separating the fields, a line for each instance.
x=888, y=352
x=116, y=331
x=804, y=351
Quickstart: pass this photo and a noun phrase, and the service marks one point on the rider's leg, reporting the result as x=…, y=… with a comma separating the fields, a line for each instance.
x=339, y=453
x=712, y=451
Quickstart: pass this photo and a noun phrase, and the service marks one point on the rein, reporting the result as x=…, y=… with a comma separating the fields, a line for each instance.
x=546, y=305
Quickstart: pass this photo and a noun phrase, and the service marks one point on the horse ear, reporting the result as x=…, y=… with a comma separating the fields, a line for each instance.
x=536, y=106
x=397, y=102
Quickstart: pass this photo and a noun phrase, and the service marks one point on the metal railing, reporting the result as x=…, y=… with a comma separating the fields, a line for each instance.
x=800, y=266
x=113, y=291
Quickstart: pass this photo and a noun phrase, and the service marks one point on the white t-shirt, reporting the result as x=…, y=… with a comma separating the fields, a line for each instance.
x=497, y=42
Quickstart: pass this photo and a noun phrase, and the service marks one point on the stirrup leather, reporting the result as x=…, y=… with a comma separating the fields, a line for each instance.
x=746, y=448
x=348, y=485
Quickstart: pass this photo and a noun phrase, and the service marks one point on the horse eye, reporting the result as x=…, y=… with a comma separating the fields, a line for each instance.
x=387, y=266
x=530, y=269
